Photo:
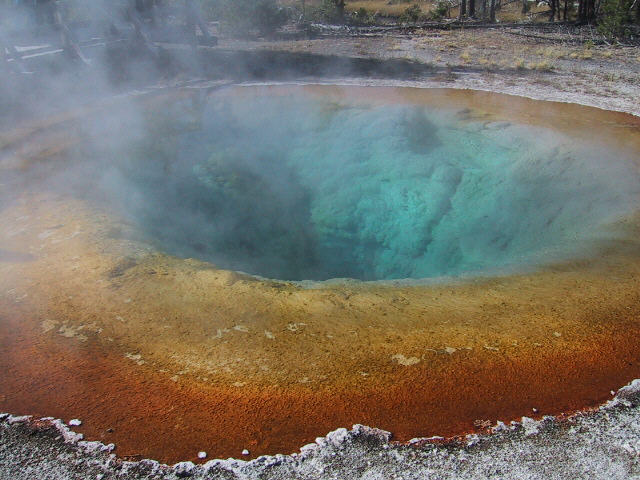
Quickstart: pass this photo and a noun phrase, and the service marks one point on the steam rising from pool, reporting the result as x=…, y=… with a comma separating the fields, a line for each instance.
x=301, y=187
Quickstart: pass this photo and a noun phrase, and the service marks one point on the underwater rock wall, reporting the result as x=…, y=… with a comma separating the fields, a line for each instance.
x=305, y=188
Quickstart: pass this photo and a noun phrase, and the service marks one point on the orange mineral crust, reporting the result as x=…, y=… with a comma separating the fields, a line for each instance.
x=167, y=356
x=148, y=415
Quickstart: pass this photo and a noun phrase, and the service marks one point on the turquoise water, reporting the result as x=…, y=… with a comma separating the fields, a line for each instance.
x=302, y=187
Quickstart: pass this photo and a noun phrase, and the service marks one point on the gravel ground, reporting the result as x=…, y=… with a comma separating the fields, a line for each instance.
x=604, y=444
x=556, y=65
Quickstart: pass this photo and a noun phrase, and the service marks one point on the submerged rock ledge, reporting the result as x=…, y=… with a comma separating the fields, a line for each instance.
x=604, y=443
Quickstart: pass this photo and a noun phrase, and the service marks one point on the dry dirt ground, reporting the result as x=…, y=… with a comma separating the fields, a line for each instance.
x=553, y=65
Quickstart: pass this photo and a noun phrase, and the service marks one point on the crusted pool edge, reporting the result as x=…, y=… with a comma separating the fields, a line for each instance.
x=603, y=443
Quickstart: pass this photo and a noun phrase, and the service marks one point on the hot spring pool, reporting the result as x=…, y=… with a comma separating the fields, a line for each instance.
x=502, y=234
x=310, y=187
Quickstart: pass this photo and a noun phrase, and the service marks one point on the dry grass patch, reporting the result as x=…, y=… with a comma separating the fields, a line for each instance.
x=512, y=12
x=386, y=7
x=552, y=53
x=395, y=48
x=381, y=7
x=543, y=66
x=586, y=54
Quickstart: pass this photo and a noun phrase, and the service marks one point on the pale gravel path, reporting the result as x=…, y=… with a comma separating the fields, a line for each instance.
x=607, y=77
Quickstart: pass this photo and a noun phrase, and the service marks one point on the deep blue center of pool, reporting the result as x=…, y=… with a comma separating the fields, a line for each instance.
x=302, y=187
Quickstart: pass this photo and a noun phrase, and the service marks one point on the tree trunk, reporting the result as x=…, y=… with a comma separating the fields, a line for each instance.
x=463, y=9
x=559, y=10
x=492, y=11
x=579, y=17
x=524, y=6
x=566, y=10
x=472, y=8
x=583, y=12
x=484, y=9
x=552, y=14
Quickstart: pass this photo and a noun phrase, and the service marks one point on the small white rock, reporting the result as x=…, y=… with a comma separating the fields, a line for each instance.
x=499, y=427
x=337, y=437
x=534, y=410
x=183, y=468
x=245, y=452
x=309, y=448
x=75, y=422
x=202, y=454
x=531, y=426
